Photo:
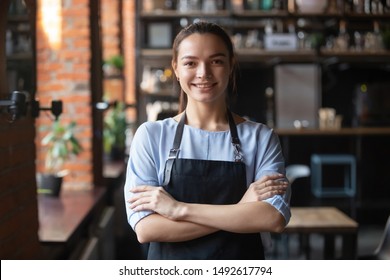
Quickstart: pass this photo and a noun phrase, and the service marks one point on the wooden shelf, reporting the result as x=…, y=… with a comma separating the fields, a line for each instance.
x=347, y=131
x=256, y=55
x=18, y=18
x=177, y=14
x=161, y=13
x=382, y=56
x=20, y=56
x=260, y=14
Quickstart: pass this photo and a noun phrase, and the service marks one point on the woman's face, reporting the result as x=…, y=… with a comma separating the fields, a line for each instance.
x=203, y=68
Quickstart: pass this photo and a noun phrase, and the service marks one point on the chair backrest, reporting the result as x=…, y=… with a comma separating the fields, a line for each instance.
x=295, y=171
x=383, y=250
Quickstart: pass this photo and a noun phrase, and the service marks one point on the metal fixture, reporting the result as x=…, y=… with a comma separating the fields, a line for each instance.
x=104, y=105
x=56, y=108
x=16, y=105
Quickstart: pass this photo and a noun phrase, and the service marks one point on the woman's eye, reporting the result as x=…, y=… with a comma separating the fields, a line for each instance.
x=217, y=61
x=189, y=63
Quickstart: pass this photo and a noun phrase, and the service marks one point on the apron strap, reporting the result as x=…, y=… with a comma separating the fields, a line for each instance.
x=174, y=152
x=238, y=156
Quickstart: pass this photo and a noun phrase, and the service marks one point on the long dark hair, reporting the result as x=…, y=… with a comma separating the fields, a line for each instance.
x=203, y=27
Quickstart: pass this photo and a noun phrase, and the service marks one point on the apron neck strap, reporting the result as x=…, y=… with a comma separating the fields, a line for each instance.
x=233, y=131
x=174, y=152
x=238, y=156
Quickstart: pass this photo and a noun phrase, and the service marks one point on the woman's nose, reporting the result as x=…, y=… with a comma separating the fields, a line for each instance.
x=203, y=71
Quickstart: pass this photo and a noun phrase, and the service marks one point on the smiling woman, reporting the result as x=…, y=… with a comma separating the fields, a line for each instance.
x=199, y=173
x=223, y=54
x=202, y=68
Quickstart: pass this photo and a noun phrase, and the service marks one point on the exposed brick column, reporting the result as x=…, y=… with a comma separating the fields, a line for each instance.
x=129, y=32
x=63, y=72
x=111, y=41
x=110, y=23
x=115, y=42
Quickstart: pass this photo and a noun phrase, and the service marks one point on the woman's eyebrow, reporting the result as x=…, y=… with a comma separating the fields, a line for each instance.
x=188, y=57
x=194, y=57
x=218, y=54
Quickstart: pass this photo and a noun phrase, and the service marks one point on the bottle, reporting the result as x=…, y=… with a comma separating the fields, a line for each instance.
x=378, y=43
x=342, y=40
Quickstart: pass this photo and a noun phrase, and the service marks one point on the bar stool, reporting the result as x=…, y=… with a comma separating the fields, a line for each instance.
x=319, y=189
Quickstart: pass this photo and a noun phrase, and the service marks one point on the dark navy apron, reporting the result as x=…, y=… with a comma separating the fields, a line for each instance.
x=207, y=182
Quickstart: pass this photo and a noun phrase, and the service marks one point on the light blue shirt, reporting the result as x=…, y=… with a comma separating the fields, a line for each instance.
x=153, y=140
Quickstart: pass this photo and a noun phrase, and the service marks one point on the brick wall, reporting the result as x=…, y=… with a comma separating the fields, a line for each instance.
x=18, y=203
x=63, y=72
x=113, y=88
x=118, y=37
x=129, y=33
x=110, y=23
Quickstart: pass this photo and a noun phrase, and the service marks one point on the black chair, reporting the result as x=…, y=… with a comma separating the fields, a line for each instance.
x=382, y=252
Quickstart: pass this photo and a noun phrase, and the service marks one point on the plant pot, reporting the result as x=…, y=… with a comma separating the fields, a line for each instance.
x=50, y=184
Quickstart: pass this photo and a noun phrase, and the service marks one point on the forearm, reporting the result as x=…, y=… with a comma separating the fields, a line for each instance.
x=156, y=228
x=241, y=218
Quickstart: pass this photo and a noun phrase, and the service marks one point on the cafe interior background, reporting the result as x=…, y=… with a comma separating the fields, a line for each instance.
x=315, y=71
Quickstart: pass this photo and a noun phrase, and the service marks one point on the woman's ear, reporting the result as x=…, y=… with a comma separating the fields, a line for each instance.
x=174, y=67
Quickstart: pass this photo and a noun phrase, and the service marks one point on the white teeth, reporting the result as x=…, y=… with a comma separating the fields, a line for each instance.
x=203, y=86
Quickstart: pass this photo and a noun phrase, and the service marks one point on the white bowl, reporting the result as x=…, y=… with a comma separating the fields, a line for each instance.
x=311, y=6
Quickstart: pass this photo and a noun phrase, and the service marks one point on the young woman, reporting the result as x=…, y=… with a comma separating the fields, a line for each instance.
x=205, y=183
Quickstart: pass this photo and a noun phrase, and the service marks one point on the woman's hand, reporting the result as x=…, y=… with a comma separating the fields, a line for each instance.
x=266, y=187
x=155, y=199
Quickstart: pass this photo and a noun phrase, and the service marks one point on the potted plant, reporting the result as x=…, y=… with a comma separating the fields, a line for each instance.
x=114, y=65
x=61, y=145
x=114, y=132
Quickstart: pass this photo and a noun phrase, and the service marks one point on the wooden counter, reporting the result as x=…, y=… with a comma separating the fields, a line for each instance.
x=64, y=221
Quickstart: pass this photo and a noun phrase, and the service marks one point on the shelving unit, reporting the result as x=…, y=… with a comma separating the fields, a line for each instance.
x=19, y=49
x=258, y=57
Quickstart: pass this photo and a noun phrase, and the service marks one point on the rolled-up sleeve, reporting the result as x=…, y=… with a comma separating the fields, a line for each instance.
x=281, y=204
x=273, y=162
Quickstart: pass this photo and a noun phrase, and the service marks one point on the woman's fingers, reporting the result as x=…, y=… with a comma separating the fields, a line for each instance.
x=153, y=198
x=270, y=185
x=275, y=176
x=140, y=204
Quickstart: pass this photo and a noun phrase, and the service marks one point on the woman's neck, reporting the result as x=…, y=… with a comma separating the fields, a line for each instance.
x=211, y=118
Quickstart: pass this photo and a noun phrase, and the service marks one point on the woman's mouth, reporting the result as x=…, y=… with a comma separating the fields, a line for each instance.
x=203, y=86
